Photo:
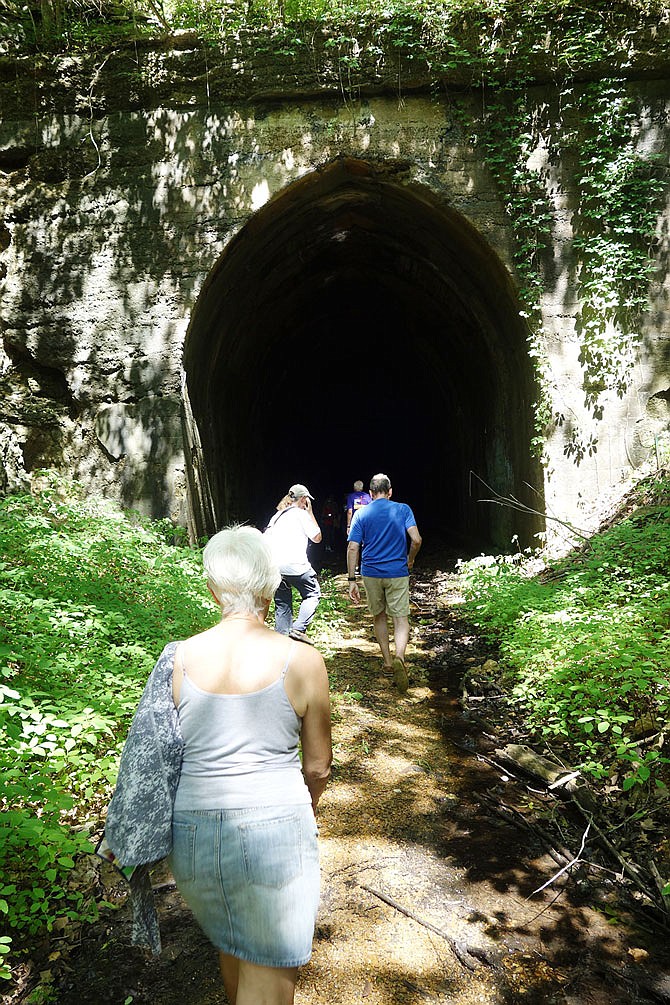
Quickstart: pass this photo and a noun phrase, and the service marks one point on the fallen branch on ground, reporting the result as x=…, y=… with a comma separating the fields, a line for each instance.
x=561, y=856
x=465, y=954
x=575, y=861
x=565, y=780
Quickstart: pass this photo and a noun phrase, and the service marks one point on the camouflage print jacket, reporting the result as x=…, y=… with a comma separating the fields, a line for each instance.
x=139, y=819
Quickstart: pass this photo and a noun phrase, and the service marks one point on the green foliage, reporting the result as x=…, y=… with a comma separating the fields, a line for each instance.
x=89, y=598
x=480, y=39
x=76, y=24
x=5, y=946
x=510, y=132
x=620, y=190
x=482, y=36
x=587, y=645
x=331, y=616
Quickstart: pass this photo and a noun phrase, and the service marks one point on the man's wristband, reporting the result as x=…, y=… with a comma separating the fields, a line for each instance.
x=352, y=579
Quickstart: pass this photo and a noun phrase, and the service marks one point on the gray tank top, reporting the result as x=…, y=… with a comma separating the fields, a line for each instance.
x=240, y=750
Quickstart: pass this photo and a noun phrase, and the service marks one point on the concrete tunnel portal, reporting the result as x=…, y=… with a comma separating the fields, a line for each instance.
x=355, y=324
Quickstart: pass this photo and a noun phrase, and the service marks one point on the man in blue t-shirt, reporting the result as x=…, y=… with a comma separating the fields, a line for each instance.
x=382, y=529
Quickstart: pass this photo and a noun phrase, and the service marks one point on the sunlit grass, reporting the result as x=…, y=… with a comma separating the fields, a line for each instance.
x=586, y=646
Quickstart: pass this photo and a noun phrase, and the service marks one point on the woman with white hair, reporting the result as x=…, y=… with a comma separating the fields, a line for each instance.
x=244, y=852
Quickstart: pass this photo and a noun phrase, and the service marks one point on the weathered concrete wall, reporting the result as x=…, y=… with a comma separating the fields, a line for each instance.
x=112, y=223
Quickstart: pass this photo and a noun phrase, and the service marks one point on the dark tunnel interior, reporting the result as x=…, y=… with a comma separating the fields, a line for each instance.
x=355, y=325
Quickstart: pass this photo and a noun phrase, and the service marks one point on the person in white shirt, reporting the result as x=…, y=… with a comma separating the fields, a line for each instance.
x=289, y=532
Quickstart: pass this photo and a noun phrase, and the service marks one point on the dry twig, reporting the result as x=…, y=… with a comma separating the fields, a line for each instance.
x=466, y=955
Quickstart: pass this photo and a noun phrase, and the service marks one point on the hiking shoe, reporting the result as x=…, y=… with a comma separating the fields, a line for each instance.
x=400, y=678
x=299, y=636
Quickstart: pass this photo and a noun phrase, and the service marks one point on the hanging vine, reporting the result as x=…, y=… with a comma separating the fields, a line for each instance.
x=618, y=195
x=511, y=130
x=615, y=225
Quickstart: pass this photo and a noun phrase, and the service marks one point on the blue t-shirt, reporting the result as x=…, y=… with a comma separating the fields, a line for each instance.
x=381, y=528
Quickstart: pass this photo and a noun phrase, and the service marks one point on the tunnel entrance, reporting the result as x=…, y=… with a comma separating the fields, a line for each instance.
x=355, y=325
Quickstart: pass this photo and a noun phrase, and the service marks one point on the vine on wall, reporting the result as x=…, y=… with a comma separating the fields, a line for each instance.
x=617, y=202
x=510, y=132
x=615, y=226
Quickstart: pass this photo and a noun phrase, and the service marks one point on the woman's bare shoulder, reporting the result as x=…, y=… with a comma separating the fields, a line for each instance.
x=307, y=660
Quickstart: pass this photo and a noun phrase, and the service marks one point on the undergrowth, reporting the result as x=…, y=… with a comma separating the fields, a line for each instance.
x=89, y=598
x=585, y=645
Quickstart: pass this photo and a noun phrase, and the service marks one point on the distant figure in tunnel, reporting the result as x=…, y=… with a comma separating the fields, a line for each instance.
x=359, y=497
x=330, y=522
x=383, y=529
x=289, y=531
x=355, y=500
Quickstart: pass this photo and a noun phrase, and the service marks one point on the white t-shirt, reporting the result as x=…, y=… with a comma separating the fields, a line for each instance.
x=289, y=532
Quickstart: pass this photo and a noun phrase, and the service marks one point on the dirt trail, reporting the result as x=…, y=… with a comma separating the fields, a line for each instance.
x=426, y=897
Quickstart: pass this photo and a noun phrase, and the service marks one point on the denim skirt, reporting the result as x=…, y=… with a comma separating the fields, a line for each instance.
x=251, y=879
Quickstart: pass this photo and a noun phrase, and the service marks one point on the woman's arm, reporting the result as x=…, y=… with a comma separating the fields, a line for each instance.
x=315, y=735
x=310, y=526
x=177, y=673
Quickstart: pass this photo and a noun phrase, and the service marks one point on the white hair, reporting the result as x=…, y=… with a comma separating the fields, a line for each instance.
x=380, y=484
x=240, y=570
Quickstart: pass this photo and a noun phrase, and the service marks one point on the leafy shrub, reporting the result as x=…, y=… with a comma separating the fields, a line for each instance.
x=90, y=597
x=586, y=645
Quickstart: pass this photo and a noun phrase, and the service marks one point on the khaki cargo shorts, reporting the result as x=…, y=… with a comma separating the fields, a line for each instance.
x=391, y=595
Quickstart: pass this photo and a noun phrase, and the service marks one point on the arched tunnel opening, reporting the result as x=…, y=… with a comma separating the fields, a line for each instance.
x=354, y=325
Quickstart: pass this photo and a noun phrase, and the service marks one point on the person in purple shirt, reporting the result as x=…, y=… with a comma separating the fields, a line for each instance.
x=382, y=529
x=355, y=500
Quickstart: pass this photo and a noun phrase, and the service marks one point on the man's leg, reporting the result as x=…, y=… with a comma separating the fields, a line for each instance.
x=308, y=587
x=400, y=636
x=381, y=627
x=376, y=598
x=398, y=602
x=284, y=606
